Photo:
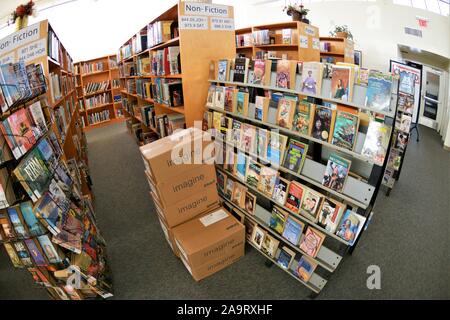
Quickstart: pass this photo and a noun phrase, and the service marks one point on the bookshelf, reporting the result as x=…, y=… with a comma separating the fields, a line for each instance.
x=294, y=40
x=56, y=145
x=197, y=48
x=98, y=70
x=338, y=50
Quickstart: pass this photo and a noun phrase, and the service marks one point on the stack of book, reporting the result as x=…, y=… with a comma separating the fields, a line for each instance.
x=161, y=31
x=97, y=117
x=168, y=92
x=93, y=87
x=98, y=100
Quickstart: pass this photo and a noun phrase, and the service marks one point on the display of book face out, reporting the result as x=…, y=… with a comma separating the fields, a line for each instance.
x=336, y=172
x=312, y=242
x=286, y=70
x=295, y=155
x=342, y=83
x=345, y=130
x=379, y=88
x=285, y=257
x=377, y=141
x=270, y=246
x=323, y=122
x=312, y=78
x=350, y=226
x=305, y=268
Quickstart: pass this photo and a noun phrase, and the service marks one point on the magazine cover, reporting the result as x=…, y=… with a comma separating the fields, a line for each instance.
x=341, y=82
x=280, y=191
x=312, y=78
x=376, y=142
x=295, y=155
x=378, y=95
x=323, y=117
x=312, y=241
x=302, y=118
x=330, y=214
x=32, y=222
x=22, y=130
x=345, y=130
x=293, y=229
x=350, y=226
x=336, y=172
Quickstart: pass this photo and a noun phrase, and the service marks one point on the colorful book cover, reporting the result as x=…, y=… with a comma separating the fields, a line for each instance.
x=345, y=130
x=285, y=258
x=305, y=268
x=407, y=82
x=275, y=148
x=395, y=159
x=376, y=142
x=262, y=137
x=401, y=141
x=378, y=95
x=294, y=196
x=253, y=174
x=35, y=253
x=312, y=78
x=221, y=178
x=286, y=108
x=7, y=228
x=230, y=160
x=223, y=67
x=336, y=172
x=211, y=96
x=238, y=197
x=322, y=123
x=283, y=79
x=23, y=254
x=389, y=177
x=293, y=229
x=21, y=131
x=242, y=103
x=295, y=155
x=312, y=241
x=405, y=103
x=341, y=83
x=268, y=177
x=259, y=72
x=17, y=223
x=240, y=69
x=270, y=246
x=241, y=165
x=302, y=118
x=330, y=214
x=229, y=99
x=311, y=203
x=350, y=226
x=363, y=77
x=278, y=218
x=405, y=123
x=38, y=116
x=49, y=249
x=280, y=191
x=47, y=210
x=13, y=255
x=248, y=138
x=261, y=108
x=258, y=236
x=236, y=132
x=219, y=98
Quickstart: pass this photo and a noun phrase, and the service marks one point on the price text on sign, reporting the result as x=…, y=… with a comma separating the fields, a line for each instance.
x=33, y=50
x=194, y=22
x=205, y=9
x=222, y=24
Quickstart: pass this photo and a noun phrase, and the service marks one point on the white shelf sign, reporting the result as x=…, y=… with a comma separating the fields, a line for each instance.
x=33, y=50
x=20, y=38
x=205, y=9
x=226, y=24
x=194, y=23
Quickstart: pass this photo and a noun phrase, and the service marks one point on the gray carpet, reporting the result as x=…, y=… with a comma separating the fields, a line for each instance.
x=408, y=237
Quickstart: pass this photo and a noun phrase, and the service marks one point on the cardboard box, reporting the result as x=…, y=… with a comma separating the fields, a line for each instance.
x=187, y=146
x=209, y=238
x=186, y=209
x=168, y=234
x=184, y=185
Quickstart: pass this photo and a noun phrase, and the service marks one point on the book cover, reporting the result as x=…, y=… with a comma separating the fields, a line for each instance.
x=363, y=77
x=16, y=222
x=312, y=78
x=230, y=160
x=261, y=108
x=302, y=118
x=294, y=196
x=276, y=148
x=47, y=210
x=211, y=96
x=238, y=197
x=261, y=72
x=38, y=117
x=350, y=226
x=241, y=166
x=295, y=155
x=378, y=95
x=345, y=130
x=286, y=70
x=405, y=103
x=305, y=268
x=35, y=253
x=336, y=172
x=407, y=82
x=330, y=214
x=248, y=138
x=278, y=218
x=249, y=226
x=262, y=139
x=311, y=203
x=293, y=229
x=286, y=108
x=250, y=203
x=280, y=191
x=376, y=142
x=389, y=177
x=401, y=141
x=236, y=132
x=6, y=226
x=258, y=236
x=404, y=123
x=22, y=130
x=253, y=174
x=13, y=255
x=221, y=180
x=229, y=189
x=267, y=180
x=285, y=258
x=395, y=159
x=322, y=123
x=242, y=103
x=223, y=70
x=270, y=246
x=229, y=99
x=240, y=69
x=219, y=98
x=23, y=254
x=341, y=83
x=312, y=241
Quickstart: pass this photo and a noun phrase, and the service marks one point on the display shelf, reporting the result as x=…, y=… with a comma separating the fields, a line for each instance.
x=340, y=48
x=172, y=42
x=94, y=73
x=98, y=107
x=96, y=93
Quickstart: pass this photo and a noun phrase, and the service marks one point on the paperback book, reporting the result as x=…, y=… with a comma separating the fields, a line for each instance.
x=323, y=123
x=294, y=196
x=262, y=139
x=312, y=242
x=261, y=108
x=376, y=142
x=261, y=72
x=223, y=70
x=286, y=108
x=286, y=71
x=276, y=148
x=378, y=96
x=342, y=83
x=295, y=155
x=405, y=103
x=241, y=166
x=280, y=191
x=305, y=268
x=242, y=103
x=278, y=219
x=293, y=229
x=270, y=246
x=248, y=138
x=258, y=236
x=250, y=202
x=330, y=214
x=310, y=204
x=253, y=174
x=312, y=74
x=350, y=226
x=303, y=116
x=285, y=258
x=268, y=177
x=336, y=172
x=241, y=69
x=345, y=130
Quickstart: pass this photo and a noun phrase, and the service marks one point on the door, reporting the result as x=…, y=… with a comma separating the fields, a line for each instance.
x=433, y=87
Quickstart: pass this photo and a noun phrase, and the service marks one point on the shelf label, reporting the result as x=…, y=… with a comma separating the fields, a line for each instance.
x=310, y=31
x=205, y=9
x=194, y=23
x=33, y=50
x=225, y=24
x=303, y=41
x=316, y=43
x=20, y=38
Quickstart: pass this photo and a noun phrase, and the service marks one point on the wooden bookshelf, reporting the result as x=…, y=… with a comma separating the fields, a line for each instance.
x=306, y=50
x=197, y=49
x=341, y=49
x=98, y=70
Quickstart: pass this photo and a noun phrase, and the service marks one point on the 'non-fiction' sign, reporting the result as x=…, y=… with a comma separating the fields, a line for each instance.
x=20, y=38
x=205, y=9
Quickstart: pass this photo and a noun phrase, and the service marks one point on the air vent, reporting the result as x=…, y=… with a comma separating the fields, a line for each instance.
x=413, y=32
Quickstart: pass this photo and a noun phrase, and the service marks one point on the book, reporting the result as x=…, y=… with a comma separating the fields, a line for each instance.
x=401, y=141
x=221, y=181
x=211, y=96
x=285, y=257
x=303, y=115
x=285, y=115
x=280, y=191
x=276, y=148
x=295, y=155
x=36, y=253
x=19, y=132
x=241, y=69
x=230, y=160
x=248, y=137
x=286, y=36
x=350, y=226
x=261, y=72
x=253, y=174
x=305, y=268
x=286, y=71
x=229, y=103
x=311, y=203
x=379, y=88
x=267, y=180
x=312, y=241
x=323, y=123
x=250, y=203
x=336, y=172
x=330, y=214
x=236, y=131
x=342, y=80
x=293, y=229
x=407, y=83
x=277, y=220
x=50, y=213
x=270, y=245
x=223, y=70
x=362, y=77
x=23, y=254
x=16, y=223
x=6, y=231
x=262, y=139
x=312, y=74
x=219, y=98
x=376, y=142
x=229, y=187
x=394, y=159
x=241, y=166
x=258, y=236
x=345, y=130
x=294, y=196
x=241, y=102
x=35, y=111
x=405, y=103
x=261, y=108
x=389, y=177
x=13, y=255
x=404, y=123
x=238, y=197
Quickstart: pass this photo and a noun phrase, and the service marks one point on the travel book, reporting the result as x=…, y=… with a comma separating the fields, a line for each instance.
x=293, y=229
x=276, y=148
x=223, y=70
x=330, y=214
x=278, y=218
x=342, y=80
x=250, y=202
x=376, y=142
x=286, y=71
x=303, y=116
x=242, y=103
x=253, y=174
x=379, y=88
x=336, y=172
x=345, y=130
x=49, y=213
x=294, y=196
x=280, y=191
x=258, y=236
x=312, y=74
x=261, y=108
x=248, y=137
x=285, y=257
x=310, y=204
x=270, y=246
x=240, y=168
x=241, y=69
x=262, y=72
x=350, y=226
x=312, y=242
x=323, y=123
x=295, y=155
x=305, y=268
x=285, y=115
x=268, y=177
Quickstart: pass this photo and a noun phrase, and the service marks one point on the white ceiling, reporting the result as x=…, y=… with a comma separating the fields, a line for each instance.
x=8, y=6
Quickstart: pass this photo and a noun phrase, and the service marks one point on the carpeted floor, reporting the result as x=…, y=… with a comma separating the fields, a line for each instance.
x=408, y=237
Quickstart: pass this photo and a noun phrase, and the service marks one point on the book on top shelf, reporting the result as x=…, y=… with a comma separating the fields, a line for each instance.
x=241, y=66
x=293, y=230
x=330, y=214
x=379, y=88
x=377, y=141
x=312, y=242
x=342, y=80
x=323, y=123
x=261, y=72
x=303, y=116
x=286, y=71
x=350, y=226
x=294, y=158
x=345, y=130
x=305, y=268
x=312, y=74
x=336, y=172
